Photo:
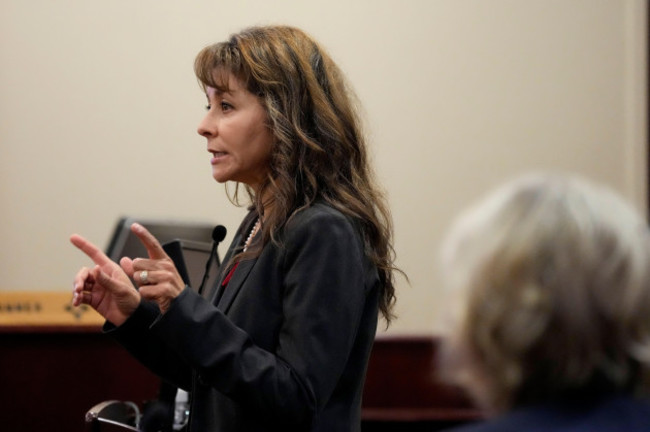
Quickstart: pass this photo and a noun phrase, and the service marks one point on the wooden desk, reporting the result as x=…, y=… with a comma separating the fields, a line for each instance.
x=44, y=309
x=403, y=393
x=55, y=364
x=50, y=376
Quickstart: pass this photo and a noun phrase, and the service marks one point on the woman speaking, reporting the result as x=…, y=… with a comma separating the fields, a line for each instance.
x=284, y=340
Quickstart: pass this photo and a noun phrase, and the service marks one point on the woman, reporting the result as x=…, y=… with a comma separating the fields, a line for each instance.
x=284, y=342
x=553, y=332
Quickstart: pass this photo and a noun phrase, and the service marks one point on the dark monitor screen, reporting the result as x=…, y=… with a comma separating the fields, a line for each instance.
x=191, y=260
x=124, y=243
x=190, y=253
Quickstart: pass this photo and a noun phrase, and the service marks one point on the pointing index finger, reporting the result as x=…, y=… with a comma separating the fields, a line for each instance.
x=154, y=249
x=92, y=251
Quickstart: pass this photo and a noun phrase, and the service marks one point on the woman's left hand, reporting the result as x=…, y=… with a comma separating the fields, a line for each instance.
x=156, y=276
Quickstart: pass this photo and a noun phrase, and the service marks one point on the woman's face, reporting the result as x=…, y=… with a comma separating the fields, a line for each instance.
x=238, y=136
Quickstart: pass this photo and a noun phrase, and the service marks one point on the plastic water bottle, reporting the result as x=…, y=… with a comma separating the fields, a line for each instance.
x=181, y=410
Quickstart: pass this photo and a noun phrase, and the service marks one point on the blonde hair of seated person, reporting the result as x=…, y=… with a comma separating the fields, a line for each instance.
x=551, y=274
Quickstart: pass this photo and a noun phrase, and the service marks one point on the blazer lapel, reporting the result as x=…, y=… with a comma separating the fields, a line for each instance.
x=234, y=285
x=217, y=291
x=222, y=296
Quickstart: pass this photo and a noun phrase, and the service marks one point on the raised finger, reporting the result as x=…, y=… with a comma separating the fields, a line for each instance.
x=92, y=251
x=78, y=286
x=83, y=285
x=154, y=249
x=127, y=265
x=80, y=279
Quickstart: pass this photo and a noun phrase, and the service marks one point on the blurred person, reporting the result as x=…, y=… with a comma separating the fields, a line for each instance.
x=551, y=325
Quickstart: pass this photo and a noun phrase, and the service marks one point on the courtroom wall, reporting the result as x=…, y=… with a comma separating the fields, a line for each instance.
x=99, y=109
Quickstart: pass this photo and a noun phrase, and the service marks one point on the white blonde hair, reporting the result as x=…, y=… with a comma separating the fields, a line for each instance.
x=554, y=273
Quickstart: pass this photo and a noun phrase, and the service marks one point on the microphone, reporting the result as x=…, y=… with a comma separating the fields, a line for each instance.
x=218, y=234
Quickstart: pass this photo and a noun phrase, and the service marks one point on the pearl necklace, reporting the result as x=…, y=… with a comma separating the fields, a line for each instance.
x=252, y=234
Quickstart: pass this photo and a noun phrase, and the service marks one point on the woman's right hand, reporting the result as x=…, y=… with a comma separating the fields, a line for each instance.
x=106, y=287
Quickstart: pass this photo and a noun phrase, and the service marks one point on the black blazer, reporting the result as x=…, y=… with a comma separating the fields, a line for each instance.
x=285, y=346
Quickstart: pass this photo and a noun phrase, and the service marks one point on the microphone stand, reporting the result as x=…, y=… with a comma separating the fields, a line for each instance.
x=218, y=234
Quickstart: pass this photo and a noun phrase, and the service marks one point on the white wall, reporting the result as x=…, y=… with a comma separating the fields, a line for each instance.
x=99, y=107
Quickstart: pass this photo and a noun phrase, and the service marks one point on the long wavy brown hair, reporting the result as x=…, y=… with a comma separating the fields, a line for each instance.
x=319, y=151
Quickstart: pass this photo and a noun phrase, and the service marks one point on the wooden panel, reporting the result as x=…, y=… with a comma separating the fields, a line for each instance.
x=403, y=392
x=25, y=308
x=50, y=377
x=55, y=364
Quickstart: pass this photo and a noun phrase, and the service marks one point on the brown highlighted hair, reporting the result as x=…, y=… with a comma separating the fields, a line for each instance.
x=319, y=151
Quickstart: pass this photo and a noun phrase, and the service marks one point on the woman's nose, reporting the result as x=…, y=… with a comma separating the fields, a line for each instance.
x=206, y=127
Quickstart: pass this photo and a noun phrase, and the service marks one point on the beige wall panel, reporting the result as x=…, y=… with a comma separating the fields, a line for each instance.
x=99, y=108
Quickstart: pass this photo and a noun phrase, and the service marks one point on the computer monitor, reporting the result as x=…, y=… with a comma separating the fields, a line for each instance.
x=124, y=243
x=188, y=243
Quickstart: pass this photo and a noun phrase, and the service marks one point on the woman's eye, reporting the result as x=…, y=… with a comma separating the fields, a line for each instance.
x=225, y=106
